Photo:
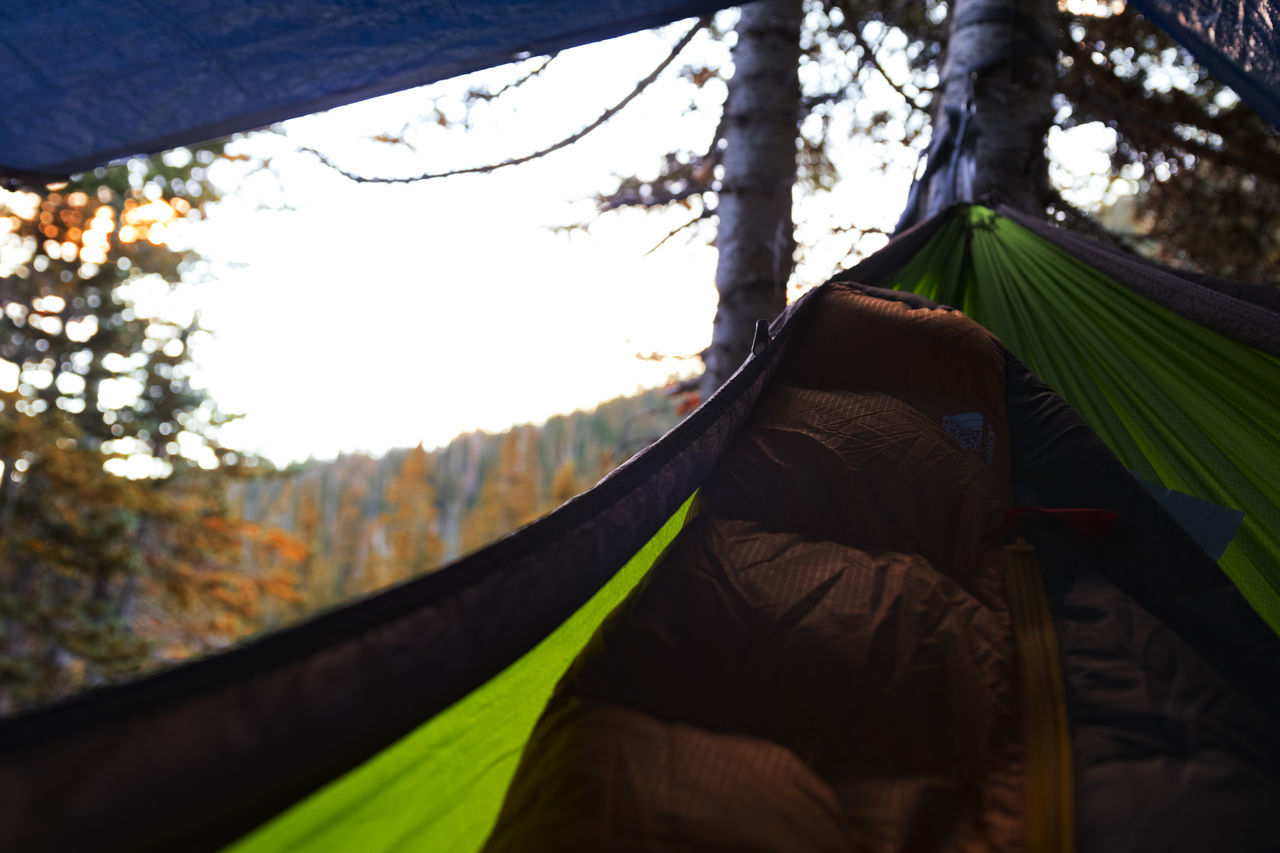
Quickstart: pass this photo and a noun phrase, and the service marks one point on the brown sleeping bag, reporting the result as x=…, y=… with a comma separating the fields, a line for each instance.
x=823, y=661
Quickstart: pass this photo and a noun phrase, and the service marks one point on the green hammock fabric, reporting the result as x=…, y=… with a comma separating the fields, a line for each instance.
x=1181, y=404
x=440, y=787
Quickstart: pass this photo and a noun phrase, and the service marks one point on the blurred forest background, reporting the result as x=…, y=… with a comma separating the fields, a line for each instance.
x=106, y=575
x=131, y=538
x=342, y=528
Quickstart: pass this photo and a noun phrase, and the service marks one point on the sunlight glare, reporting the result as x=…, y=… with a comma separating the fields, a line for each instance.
x=9, y=373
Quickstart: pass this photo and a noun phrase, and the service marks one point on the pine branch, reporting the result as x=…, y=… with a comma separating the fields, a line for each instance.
x=517, y=161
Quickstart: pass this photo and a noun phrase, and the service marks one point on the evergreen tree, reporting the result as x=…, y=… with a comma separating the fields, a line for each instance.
x=317, y=572
x=95, y=378
x=565, y=483
x=509, y=497
x=412, y=522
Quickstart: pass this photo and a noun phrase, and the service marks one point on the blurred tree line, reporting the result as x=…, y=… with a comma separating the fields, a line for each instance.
x=364, y=523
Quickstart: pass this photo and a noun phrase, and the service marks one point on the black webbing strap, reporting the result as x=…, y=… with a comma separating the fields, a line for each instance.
x=950, y=156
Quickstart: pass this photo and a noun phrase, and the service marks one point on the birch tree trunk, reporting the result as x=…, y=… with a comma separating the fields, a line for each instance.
x=755, y=239
x=1011, y=44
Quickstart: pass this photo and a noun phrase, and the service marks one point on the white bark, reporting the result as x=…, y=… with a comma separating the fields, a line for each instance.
x=756, y=242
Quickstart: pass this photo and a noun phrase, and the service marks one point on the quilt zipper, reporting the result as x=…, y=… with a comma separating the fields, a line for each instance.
x=1050, y=794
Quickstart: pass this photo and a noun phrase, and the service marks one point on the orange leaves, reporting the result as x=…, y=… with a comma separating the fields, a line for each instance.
x=237, y=597
x=282, y=590
x=221, y=523
x=288, y=548
x=705, y=170
x=565, y=482
x=699, y=76
x=688, y=402
x=510, y=496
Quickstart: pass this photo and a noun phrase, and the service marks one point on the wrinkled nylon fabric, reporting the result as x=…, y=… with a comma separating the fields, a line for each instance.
x=824, y=659
x=440, y=786
x=1183, y=405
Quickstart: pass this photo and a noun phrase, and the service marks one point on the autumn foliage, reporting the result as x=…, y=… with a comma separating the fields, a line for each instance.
x=103, y=575
x=363, y=524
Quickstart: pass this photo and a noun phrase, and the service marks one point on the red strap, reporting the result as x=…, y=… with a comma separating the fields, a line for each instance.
x=1091, y=523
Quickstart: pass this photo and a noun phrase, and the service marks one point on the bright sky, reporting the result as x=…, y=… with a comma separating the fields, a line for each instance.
x=366, y=317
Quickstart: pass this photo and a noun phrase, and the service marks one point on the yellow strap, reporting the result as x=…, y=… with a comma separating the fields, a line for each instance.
x=1050, y=794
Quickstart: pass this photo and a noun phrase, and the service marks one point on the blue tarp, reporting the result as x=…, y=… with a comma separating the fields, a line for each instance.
x=89, y=81
x=1237, y=40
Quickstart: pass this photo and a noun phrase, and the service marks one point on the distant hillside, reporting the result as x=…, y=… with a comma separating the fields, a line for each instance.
x=368, y=522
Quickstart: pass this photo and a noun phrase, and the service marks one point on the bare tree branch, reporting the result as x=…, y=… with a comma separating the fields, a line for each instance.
x=811, y=102
x=870, y=229
x=656, y=197
x=474, y=95
x=516, y=161
x=706, y=213
x=869, y=53
x=667, y=356
x=861, y=232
